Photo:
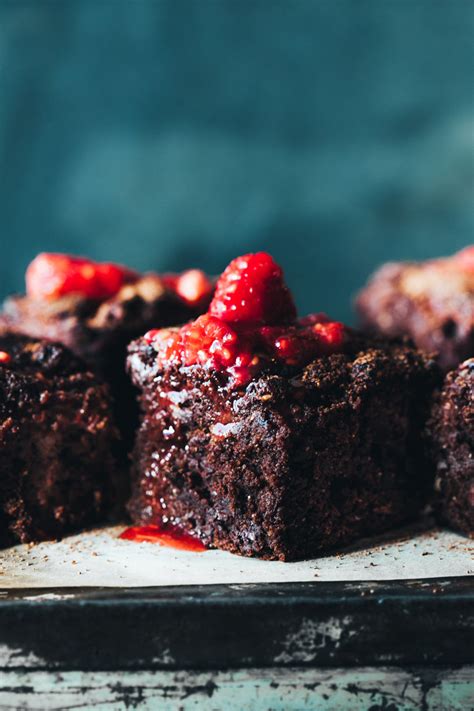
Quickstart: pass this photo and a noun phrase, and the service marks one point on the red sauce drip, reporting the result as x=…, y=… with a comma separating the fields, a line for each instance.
x=166, y=535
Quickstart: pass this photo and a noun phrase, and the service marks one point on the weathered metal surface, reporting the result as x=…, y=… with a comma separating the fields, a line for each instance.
x=317, y=625
x=356, y=689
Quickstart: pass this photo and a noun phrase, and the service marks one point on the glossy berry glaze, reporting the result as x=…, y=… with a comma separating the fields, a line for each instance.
x=167, y=534
x=251, y=321
x=52, y=276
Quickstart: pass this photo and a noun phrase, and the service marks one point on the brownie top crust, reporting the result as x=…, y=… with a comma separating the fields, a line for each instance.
x=36, y=359
x=31, y=371
x=432, y=302
x=453, y=419
x=459, y=391
x=440, y=286
x=91, y=327
x=370, y=358
x=120, y=309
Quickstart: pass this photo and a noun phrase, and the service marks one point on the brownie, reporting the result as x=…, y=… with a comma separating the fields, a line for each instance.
x=57, y=442
x=98, y=330
x=431, y=302
x=452, y=432
x=300, y=452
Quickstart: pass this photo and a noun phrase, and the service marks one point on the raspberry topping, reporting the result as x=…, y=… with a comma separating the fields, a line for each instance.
x=5, y=357
x=252, y=290
x=299, y=344
x=465, y=258
x=50, y=276
x=240, y=347
x=193, y=286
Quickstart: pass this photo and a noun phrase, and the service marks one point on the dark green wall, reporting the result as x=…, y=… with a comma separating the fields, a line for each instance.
x=164, y=134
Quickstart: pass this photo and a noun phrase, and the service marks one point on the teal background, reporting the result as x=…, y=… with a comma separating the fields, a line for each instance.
x=174, y=133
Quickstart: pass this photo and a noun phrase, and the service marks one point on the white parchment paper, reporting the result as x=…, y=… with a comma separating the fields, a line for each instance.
x=100, y=558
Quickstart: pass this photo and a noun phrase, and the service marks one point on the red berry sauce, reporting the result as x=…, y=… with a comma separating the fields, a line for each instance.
x=251, y=321
x=166, y=535
x=50, y=276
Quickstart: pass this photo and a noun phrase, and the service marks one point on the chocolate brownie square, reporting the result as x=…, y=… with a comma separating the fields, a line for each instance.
x=96, y=309
x=57, y=442
x=270, y=436
x=452, y=432
x=431, y=302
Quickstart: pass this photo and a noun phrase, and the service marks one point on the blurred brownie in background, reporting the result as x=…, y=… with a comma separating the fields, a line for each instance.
x=431, y=302
x=452, y=434
x=57, y=442
x=96, y=309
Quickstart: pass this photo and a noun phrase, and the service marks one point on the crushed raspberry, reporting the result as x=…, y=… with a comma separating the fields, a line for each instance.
x=166, y=342
x=252, y=290
x=207, y=341
x=465, y=258
x=240, y=347
x=5, y=357
x=299, y=344
x=50, y=276
x=330, y=334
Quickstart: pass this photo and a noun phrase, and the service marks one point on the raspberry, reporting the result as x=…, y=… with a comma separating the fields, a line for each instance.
x=5, y=357
x=330, y=335
x=287, y=344
x=50, y=276
x=465, y=258
x=252, y=290
x=193, y=286
x=207, y=341
x=166, y=342
x=252, y=319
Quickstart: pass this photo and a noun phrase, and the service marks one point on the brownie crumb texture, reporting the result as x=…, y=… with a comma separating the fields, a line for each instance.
x=57, y=442
x=430, y=302
x=452, y=433
x=297, y=463
x=96, y=309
